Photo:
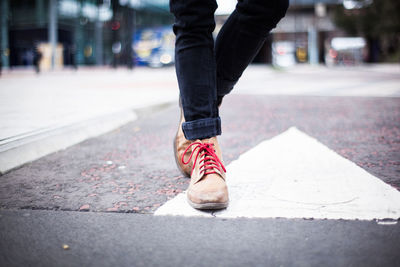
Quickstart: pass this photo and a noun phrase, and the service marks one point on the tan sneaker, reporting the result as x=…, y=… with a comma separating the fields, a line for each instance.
x=207, y=189
x=180, y=145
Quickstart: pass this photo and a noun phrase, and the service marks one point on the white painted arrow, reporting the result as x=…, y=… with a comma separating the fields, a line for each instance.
x=294, y=176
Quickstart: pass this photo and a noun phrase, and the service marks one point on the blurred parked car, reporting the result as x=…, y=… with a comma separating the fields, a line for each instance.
x=345, y=51
x=283, y=54
x=154, y=47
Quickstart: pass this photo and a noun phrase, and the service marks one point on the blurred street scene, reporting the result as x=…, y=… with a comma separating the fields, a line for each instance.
x=89, y=109
x=54, y=34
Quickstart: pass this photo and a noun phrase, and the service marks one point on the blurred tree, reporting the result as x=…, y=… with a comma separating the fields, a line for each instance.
x=379, y=23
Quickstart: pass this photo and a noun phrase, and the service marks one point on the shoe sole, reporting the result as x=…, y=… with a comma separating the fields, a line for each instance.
x=209, y=206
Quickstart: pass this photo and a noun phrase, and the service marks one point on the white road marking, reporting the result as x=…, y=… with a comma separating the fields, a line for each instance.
x=294, y=176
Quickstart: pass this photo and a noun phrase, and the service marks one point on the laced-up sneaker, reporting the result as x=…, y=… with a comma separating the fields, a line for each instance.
x=181, y=143
x=207, y=189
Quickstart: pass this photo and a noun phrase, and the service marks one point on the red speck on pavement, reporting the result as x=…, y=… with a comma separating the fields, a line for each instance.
x=85, y=207
x=112, y=209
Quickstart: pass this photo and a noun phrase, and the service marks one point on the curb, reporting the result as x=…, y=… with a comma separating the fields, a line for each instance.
x=29, y=147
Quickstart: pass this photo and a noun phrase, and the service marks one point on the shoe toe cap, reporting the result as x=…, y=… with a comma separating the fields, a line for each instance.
x=215, y=195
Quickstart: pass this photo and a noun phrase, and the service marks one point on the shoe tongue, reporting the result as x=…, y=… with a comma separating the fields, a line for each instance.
x=208, y=141
x=212, y=142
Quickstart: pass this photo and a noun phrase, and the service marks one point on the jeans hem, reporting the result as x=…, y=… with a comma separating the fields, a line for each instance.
x=202, y=128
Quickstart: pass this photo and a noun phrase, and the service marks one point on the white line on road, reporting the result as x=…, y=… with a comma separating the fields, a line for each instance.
x=294, y=176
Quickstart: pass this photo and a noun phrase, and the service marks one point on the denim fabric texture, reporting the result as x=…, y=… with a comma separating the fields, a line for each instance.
x=208, y=70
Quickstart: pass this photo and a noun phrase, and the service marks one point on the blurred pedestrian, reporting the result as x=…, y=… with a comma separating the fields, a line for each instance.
x=72, y=56
x=1, y=61
x=36, y=59
x=207, y=72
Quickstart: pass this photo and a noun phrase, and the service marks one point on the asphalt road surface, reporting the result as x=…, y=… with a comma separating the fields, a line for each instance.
x=36, y=238
x=98, y=197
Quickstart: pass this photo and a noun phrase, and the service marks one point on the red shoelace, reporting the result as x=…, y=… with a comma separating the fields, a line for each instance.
x=210, y=160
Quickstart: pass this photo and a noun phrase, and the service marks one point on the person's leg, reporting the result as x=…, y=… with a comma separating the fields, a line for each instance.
x=241, y=38
x=195, y=66
x=196, y=72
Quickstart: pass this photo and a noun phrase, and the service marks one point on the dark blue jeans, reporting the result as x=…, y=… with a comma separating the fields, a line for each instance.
x=206, y=71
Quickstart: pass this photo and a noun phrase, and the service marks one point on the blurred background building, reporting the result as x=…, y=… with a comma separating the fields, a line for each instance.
x=337, y=32
x=75, y=32
x=72, y=33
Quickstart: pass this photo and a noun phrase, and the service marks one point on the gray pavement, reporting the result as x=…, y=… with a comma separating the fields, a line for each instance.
x=36, y=238
x=123, y=176
x=40, y=114
x=132, y=169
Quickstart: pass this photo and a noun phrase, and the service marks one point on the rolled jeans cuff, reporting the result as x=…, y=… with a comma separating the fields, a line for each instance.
x=202, y=128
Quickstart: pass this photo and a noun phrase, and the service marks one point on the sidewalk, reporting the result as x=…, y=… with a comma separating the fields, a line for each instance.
x=41, y=114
